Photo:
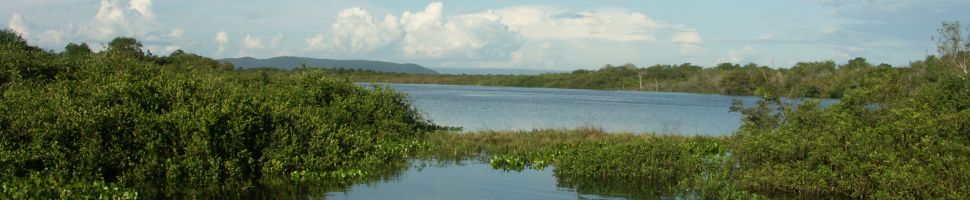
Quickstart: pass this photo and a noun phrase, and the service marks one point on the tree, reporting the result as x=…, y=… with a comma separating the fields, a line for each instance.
x=73, y=49
x=127, y=46
x=9, y=36
x=953, y=48
x=857, y=63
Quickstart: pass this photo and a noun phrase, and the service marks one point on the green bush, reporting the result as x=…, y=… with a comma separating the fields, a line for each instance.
x=910, y=145
x=117, y=118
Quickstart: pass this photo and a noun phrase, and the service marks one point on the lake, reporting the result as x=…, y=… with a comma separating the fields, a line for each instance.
x=512, y=108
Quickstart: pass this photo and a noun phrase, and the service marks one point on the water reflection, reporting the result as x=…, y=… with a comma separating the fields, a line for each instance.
x=617, y=188
x=278, y=187
x=475, y=179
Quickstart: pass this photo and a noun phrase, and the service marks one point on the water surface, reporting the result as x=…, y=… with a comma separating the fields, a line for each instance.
x=513, y=108
x=472, y=179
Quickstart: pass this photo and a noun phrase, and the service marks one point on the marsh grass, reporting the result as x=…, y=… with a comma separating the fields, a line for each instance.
x=589, y=159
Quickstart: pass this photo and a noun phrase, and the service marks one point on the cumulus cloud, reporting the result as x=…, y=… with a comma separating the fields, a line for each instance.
x=17, y=24
x=688, y=41
x=108, y=18
x=53, y=37
x=471, y=36
x=599, y=24
x=356, y=31
x=176, y=33
x=317, y=42
x=129, y=18
x=508, y=36
x=249, y=44
x=276, y=40
x=743, y=54
x=222, y=38
x=142, y=7
x=425, y=34
x=542, y=23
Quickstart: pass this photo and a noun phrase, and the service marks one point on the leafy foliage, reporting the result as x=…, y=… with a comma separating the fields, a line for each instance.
x=168, y=126
x=909, y=145
x=807, y=79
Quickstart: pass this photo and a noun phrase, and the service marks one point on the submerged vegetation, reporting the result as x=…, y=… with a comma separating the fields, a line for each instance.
x=124, y=124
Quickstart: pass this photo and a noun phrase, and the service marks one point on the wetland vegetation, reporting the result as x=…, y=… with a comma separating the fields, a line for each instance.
x=125, y=124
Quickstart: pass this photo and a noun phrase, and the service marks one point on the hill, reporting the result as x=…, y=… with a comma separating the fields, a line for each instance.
x=289, y=62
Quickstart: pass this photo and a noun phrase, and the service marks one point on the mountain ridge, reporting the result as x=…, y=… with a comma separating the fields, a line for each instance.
x=292, y=62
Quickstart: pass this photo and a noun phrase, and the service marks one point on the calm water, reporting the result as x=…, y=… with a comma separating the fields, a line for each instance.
x=511, y=108
x=477, y=180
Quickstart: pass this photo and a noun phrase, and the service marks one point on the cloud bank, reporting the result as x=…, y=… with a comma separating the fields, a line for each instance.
x=514, y=36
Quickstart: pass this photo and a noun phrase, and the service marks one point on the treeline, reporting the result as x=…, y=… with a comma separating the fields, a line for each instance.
x=122, y=123
x=896, y=135
x=826, y=79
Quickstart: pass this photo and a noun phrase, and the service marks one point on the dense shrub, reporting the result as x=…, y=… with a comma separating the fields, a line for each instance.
x=118, y=118
x=878, y=142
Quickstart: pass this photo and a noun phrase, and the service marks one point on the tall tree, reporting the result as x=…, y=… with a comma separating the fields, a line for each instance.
x=127, y=46
x=9, y=36
x=954, y=49
x=73, y=49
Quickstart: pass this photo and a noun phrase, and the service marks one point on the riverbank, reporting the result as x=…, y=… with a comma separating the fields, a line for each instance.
x=824, y=79
x=122, y=124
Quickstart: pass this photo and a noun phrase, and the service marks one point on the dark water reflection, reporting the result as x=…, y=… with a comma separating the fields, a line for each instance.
x=474, y=179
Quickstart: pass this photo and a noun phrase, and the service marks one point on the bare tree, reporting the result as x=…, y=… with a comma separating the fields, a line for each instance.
x=954, y=49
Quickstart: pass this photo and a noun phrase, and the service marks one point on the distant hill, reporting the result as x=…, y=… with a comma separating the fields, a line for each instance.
x=289, y=62
x=493, y=71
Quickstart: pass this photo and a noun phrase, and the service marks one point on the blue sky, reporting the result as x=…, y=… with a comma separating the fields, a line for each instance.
x=547, y=35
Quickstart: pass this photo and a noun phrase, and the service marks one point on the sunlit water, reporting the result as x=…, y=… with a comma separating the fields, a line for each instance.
x=512, y=108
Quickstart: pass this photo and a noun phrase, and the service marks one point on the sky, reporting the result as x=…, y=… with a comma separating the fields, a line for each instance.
x=524, y=34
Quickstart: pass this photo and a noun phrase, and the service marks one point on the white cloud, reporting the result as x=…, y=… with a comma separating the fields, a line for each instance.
x=356, y=31
x=176, y=33
x=469, y=36
x=613, y=25
x=688, y=42
x=107, y=19
x=316, y=42
x=687, y=37
x=251, y=42
x=112, y=20
x=425, y=34
x=745, y=54
x=511, y=36
x=222, y=38
x=275, y=40
x=162, y=49
x=52, y=37
x=142, y=7
x=17, y=24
